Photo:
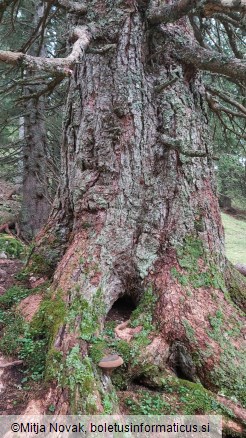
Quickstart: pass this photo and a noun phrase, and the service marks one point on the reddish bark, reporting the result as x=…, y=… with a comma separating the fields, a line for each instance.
x=128, y=200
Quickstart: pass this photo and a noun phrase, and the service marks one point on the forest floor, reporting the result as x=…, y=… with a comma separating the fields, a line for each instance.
x=15, y=394
x=12, y=396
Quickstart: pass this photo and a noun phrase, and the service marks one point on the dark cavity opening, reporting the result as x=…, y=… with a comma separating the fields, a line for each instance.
x=231, y=435
x=181, y=362
x=121, y=309
x=182, y=373
x=144, y=382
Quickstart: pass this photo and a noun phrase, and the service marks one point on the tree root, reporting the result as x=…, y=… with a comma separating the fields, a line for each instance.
x=6, y=228
x=11, y=364
x=238, y=411
x=126, y=333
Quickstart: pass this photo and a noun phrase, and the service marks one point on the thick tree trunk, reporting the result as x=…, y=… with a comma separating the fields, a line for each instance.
x=142, y=208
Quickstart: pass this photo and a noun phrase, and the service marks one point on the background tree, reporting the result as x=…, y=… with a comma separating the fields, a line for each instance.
x=31, y=125
x=232, y=179
x=136, y=214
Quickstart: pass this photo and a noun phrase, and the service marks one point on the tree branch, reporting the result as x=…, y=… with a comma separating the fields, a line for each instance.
x=177, y=145
x=70, y=5
x=157, y=14
x=227, y=99
x=168, y=13
x=234, y=21
x=48, y=89
x=217, y=107
x=232, y=40
x=210, y=7
x=4, y=5
x=52, y=65
x=204, y=59
x=160, y=87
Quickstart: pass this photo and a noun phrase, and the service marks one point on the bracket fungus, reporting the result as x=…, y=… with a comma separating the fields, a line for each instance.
x=109, y=363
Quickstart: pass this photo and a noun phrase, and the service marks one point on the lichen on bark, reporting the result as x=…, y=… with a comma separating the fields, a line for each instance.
x=135, y=213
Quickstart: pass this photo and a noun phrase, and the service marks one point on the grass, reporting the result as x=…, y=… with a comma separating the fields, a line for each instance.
x=235, y=238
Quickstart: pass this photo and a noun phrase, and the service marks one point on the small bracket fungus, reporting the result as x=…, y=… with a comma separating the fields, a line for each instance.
x=109, y=363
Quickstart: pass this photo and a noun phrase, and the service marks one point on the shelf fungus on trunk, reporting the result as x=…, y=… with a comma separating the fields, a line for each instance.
x=109, y=363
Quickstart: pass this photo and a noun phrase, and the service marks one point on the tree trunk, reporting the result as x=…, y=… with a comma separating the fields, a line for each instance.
x=138, y=201
x=35, y=203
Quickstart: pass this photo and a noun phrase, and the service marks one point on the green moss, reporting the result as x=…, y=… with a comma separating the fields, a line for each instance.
x=42, y=261
x=78, y=376
x=22, y=275
x=91, y=315
x=183, y=279
x=191, y=398
x=17, y=339
x=12, y=247
x=143, y=314
x=190, y=332
x=146, y=370
x=34, y=339
x=124, y=349
x=109, y=401
x=137, y=346
x=13, y=296
x=216, y=323
x=195, y=399
x=109, y=328
x=50, y=317
x=200, y=270
x=199, y=225
x=13, y=327
x=230, y=374
x=189, y=254
x=31, y=341
x=97, y=349
x=148, y=403
x=53, y=365
x=40, y=265
x=236, y=285
x=120, y=379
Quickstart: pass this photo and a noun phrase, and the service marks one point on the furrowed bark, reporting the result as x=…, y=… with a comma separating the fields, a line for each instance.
x=132, y=200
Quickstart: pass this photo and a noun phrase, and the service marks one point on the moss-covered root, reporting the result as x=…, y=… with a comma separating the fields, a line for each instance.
x=170, y=395
x=90, y=391
x=236, y=285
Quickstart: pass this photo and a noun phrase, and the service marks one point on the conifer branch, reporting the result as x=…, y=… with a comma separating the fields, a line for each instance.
x=52, y=65
x=70, y=5
x=204, y=59
x=158, y=14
